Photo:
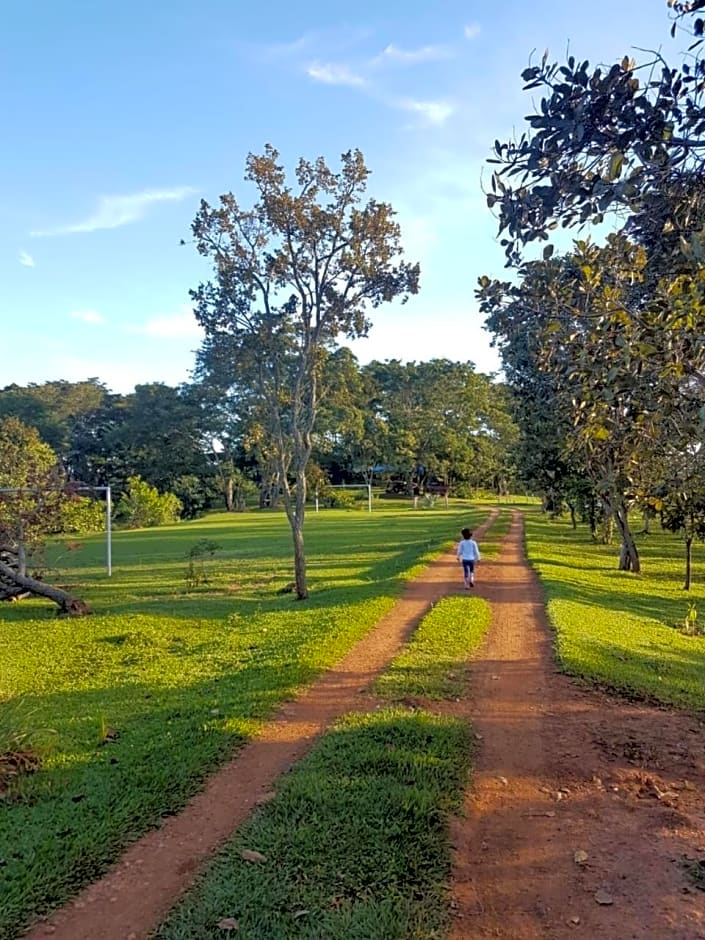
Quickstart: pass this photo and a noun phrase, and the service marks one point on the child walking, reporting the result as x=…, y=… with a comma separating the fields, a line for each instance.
x=468, y=553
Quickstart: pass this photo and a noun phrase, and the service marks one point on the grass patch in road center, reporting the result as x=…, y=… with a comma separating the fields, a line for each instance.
x=435, y=663
x=355, y=842
x=617, y=628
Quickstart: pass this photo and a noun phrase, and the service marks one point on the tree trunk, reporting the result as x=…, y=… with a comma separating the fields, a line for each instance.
x=299, y=562
x=573, y=520
x=628, y=553
x=297, y=532
x=66, y=602
x=688, y=561
x=229, y=494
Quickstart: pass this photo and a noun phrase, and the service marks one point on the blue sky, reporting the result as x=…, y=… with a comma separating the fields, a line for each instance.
x=119, y=117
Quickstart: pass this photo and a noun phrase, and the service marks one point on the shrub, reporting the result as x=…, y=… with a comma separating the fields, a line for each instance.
x=82, y=514
x=142, y=505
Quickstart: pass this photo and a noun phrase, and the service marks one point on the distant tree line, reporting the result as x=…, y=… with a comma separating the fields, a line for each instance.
x=413, y=422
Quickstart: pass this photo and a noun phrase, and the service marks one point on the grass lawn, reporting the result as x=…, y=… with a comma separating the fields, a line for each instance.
x=355, y=843
x=141, y=700
x=618, y=628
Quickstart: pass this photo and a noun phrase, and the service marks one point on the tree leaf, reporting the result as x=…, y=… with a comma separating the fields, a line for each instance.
x=228, y=923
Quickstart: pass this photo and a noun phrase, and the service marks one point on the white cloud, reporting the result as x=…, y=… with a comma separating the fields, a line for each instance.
x=393, y=53
x=472, y=30
x=435, y=112
x=334, y=74
x=180, y=325
x=88, y=316
x=115, y=211
x=27, y=260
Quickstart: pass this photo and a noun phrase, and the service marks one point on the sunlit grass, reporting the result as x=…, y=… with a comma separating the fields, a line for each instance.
x=435, y=663
x=618, y=628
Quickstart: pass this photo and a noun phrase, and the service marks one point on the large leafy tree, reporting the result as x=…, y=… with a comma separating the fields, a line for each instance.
x=626, y=144
x=292, y=274
x=441, y=419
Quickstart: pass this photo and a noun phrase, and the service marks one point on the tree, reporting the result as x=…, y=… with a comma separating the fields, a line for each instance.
x=53, y=408
x=33, y=498
x=142, y=506
x=584, y=316
x=292, y=274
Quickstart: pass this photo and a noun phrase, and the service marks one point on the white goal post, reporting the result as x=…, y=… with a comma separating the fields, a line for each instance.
x=350, y=486
x=108, y=514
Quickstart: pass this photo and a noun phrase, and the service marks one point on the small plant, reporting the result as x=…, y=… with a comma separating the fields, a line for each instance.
x=690, y=621
x=106, y=734
x=198, y=555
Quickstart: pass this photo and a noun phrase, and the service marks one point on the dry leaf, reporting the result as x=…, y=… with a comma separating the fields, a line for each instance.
x=687, y=785
x=265, y=798
x=603, y=897
x=503, y=781
x=228, y=923
x=580, y=857
x=249, y=855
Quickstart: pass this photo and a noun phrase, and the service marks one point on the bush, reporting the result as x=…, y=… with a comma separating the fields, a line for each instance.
x=82, y=514
x=338, y=499
x=142, y=506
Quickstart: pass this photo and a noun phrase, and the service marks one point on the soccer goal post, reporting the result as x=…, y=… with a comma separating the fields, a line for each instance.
x=108, y=514
x=349, y=486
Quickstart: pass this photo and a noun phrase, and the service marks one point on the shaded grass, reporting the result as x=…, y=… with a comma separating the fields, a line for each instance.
x=180, y=678
x=435, y=663
x=356, y=841
x=617, y=628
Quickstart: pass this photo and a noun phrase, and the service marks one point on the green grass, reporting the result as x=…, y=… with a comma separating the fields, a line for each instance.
x=617, y=628
x=356, y=841
x=435, y=663
x=181, y=677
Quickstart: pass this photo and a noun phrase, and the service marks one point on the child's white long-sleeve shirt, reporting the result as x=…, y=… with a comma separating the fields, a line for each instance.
x=468, y=549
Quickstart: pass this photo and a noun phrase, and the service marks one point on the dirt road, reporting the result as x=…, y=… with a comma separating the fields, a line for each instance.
x=560, y=771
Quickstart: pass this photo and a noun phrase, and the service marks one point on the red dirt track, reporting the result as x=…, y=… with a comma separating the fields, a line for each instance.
x=562, y=770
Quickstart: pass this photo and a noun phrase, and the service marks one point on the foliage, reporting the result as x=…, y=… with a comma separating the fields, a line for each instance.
x=619, y=327
x=142, y=506
x=82, y=515
x=184, y=679
x=33, y=498
x=291, y=275
x=198, y=557
x=439, y=419
x=355, y=843
x=620, y=632
x=54, y=410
